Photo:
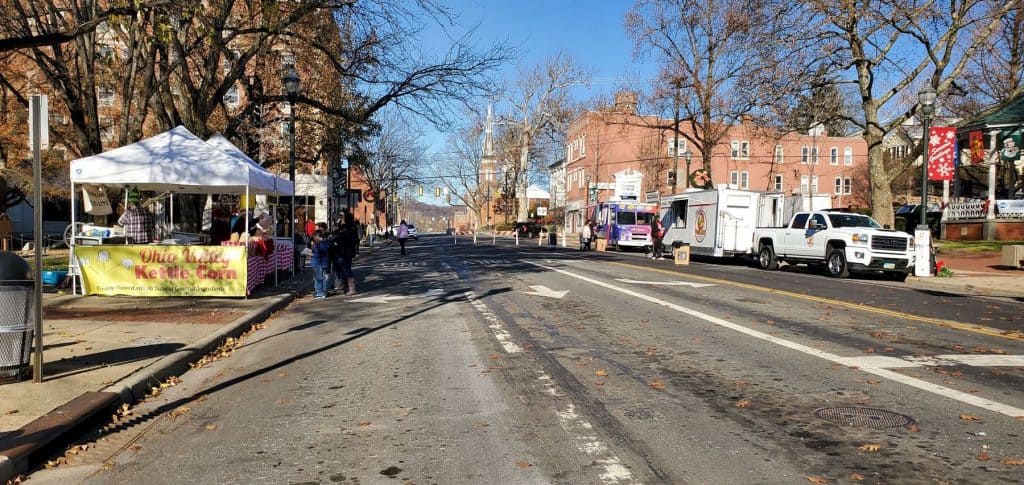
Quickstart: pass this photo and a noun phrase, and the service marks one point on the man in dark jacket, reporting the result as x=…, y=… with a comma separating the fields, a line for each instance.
x=657, y=233
x=345, y=245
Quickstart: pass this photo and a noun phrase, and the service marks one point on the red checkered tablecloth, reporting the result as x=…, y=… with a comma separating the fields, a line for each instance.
x=259, y=267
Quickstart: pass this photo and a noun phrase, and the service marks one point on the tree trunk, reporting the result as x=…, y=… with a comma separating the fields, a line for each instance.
x=524, y=159
x=881, y=184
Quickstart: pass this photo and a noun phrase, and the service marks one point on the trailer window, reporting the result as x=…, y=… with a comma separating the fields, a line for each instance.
x=799, y=221
x=679, y=210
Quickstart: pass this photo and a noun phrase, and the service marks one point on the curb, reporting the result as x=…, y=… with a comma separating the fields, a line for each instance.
x=133, y=387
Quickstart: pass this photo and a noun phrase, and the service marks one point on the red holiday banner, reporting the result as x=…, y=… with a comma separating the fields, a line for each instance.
x=942, y=153
x=977, y=139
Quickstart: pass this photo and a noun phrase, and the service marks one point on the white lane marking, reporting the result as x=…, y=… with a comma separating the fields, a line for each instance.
x=586, y=440
x=665, y=283
x=544, y=291
x=385, y=298
x=910, y=381
x=500, y=334
x=974, y=360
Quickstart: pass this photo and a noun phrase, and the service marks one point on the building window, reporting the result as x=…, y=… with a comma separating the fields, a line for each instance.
x=814, y=184
x=847, y=156
x=671, y=150
x=804, y=187
x=744, y=180
x=814, y=156
x=734, y=179
x=778, y=182
x=105, y=97
x=833, y=156
x=779, y=158
x=231, y=97
x=839, y=185
x=287, y=60
x=805, y=154
x=848, y=186
x=740, y=149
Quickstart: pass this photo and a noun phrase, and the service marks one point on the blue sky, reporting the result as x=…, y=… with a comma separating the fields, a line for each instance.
x=590, y=31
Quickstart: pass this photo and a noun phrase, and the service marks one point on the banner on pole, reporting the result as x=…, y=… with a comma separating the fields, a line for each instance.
x=977, y=140
x=145, y=270
x=942, y=153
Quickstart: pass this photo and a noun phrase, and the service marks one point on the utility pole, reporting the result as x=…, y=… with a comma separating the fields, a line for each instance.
x=675, y=146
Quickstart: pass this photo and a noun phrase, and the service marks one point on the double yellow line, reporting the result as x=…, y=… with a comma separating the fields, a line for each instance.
x=989, y=331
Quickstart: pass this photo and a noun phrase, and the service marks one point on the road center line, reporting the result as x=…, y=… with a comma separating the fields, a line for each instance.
x=880, y=372
x=992, y=332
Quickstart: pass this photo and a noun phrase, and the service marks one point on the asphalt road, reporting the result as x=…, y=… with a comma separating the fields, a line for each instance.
x=465, y=363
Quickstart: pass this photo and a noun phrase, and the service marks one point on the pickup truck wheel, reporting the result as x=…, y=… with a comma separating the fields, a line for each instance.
x=766, y=258
x=836, y=264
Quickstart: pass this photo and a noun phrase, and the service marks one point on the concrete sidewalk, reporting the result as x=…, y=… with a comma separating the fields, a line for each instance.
x=974, y=274
x=100, y=352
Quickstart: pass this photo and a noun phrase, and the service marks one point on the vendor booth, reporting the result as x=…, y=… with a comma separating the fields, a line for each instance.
x=154, y=258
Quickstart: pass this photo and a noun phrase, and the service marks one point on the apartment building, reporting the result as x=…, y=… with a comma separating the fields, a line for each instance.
x=619, y=154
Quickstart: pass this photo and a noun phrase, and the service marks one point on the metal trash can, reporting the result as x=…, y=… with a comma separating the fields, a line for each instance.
x=16, y=307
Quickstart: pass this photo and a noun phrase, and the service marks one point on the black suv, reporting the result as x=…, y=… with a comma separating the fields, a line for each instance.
x=528, y=229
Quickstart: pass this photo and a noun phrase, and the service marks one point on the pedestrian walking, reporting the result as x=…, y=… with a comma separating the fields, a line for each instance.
x=403, y=235
x=585, y=236
x=657, y=233
x=346, y=243
x=321, y=264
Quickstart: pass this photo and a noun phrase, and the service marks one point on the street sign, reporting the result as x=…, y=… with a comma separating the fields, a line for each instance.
x=542, y=211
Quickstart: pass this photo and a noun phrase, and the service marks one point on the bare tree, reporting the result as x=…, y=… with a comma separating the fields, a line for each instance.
x=459, y=170
x=540, y=105
x=392, y=158
x=713, y=68
x=887, y=52
x=996, y=74
x=75, y=22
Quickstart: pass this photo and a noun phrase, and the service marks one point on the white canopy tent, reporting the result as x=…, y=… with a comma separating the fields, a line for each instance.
x=178, y=161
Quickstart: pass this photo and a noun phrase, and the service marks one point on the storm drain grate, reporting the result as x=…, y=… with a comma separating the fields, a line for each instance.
x=863, y=417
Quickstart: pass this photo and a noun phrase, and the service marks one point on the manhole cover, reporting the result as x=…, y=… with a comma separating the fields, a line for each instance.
x=863, y=417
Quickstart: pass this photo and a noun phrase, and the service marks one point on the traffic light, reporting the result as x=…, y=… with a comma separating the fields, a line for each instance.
x=437, y=192
x=421, y=191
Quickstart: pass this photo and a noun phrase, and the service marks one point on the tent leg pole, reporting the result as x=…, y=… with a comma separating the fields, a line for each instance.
x=71, y=245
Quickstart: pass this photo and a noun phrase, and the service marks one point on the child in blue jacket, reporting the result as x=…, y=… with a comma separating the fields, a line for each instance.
x=321, y=264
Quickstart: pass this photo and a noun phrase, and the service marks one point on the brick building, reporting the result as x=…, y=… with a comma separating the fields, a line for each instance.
x=619, y=154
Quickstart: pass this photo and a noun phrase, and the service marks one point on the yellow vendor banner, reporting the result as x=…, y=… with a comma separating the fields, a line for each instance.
x=163, y=270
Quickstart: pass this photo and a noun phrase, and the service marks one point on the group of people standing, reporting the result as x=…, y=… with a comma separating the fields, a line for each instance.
x=333, y=252
x=588, y=234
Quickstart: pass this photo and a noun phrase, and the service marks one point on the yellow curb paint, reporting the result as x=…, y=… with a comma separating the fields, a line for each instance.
x=968, y=327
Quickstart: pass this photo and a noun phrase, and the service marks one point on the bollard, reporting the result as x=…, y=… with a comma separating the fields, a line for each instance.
x=517, y=236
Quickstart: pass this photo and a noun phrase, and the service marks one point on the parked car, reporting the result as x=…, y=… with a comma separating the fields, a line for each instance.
x=412, y=231
x=528, y=229
x=842, y=241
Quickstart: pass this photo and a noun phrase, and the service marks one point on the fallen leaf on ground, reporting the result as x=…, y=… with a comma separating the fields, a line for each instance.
x=650, y=351
x=959, y=348
x=523, y=464
x=743, y=403
x=480, y=425
x=770, y=322
x=181, y=410
x=135, y=447
x=13, y=411
x=360, y=346
x=1012, y=462
x=364, y=423
x=857, y=477
x=968, y=417
x=599, y=383
x=869, y=350
x=495, y=357
x=913, y=428
x=983, y=456
x=657, y=385
x=817, y=480
x=872, y=447
x=282, y=374
x=211, y=427
x=284, y=401
x=601, y=373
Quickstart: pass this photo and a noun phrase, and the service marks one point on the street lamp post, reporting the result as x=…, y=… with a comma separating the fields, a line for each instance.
x=688, y=155
x=348, y=179
x=927, y=99
x=290, y=79
x=923, y=263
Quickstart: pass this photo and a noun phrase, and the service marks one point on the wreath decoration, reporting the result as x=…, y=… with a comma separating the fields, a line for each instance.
x=701, y=179
x=368, y=195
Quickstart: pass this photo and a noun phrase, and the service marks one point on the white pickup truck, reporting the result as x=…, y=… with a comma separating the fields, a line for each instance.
x=843, y=241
